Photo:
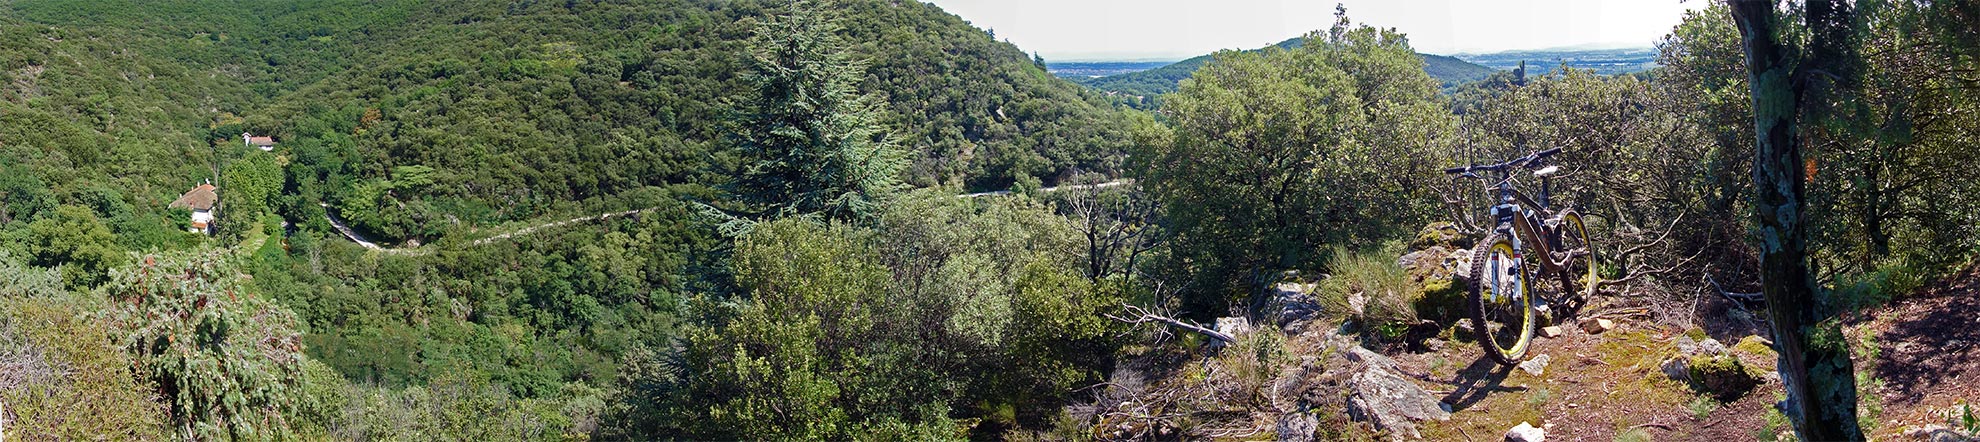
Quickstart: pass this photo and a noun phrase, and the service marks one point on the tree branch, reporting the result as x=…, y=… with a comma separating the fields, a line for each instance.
x=1143, y=316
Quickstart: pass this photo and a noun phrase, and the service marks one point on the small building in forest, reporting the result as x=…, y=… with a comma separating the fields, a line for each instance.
x=266, y=144
x=200, y=200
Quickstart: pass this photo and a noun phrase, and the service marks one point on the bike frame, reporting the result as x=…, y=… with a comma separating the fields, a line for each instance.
x=1516, y=212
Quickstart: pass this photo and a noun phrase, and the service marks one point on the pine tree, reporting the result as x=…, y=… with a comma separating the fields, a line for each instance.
x=810, y=142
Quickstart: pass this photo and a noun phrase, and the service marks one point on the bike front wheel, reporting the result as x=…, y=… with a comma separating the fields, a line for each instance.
x=1501, y=300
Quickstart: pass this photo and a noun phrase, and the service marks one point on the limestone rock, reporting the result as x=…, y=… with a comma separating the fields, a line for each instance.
x=1376, y=394
x=1949, y=436
x=1291, y=303
x=1551, y=331
x=1597, y=325
x=1526, y=432
x=1677, y=369
x=1391, y=402
x=1708, y=347
x=1722, y=376
x=1444, y=234
x=1426, y=264
x=1233, y=325
x=1536, y=366
x=1297, y=427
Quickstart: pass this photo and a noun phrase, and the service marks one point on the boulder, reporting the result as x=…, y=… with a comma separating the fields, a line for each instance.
x=1233, y=325
x=1526, y=432
x=1297, y=427
x=1389, y=401
x=1427, y=264
x=1722, y=376
x=1440, y=234
x=1291, y=303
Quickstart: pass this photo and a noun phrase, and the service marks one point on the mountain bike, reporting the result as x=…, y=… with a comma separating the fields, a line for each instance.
x=1529, y=240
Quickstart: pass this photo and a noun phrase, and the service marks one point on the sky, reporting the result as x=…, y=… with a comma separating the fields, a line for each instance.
x=1083, y=30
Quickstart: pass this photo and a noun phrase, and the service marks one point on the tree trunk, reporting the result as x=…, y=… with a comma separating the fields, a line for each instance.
x=1814, y=355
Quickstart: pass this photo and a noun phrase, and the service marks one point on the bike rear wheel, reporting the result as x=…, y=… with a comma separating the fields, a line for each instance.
x=1501, y=300
x=1580, y=269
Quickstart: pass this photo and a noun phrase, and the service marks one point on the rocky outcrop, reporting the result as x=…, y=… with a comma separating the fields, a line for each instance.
x=1379, y=395
x=1291, y=305
x=1708, y=368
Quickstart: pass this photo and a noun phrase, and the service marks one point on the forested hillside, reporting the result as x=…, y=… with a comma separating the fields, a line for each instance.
x=581, y=102
x=438, y=123
x=763, y=219
x=1141, y=88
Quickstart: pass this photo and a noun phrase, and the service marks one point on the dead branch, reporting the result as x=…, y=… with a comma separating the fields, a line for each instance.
x=1143, y=316
x=1736, y=298
x=1660, y=238
x=1634, y=275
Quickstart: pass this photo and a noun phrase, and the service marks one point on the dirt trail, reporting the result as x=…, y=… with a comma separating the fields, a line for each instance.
x=1930, y=358
x=1601, y=385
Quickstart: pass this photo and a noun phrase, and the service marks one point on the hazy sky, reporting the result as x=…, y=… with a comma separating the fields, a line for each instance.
x=1132, y=29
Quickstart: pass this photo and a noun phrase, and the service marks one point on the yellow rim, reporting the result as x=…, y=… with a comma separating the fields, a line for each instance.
x=1503, y=248
x=1581, y=231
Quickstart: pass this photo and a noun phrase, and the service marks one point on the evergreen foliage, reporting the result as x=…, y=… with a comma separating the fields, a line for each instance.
x=227, y=362
x=808, y=140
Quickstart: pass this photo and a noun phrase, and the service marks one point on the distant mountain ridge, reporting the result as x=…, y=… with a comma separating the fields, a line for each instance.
x=1602, y=61
x=1147, y=84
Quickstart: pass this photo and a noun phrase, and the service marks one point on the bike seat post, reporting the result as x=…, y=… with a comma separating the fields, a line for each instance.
x=1546, y=192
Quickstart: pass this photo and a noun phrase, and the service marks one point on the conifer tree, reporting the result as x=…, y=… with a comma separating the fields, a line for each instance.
x=810, y=142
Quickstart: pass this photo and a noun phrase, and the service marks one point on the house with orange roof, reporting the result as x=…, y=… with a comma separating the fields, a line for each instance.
x=266, y=144
x=200, y=200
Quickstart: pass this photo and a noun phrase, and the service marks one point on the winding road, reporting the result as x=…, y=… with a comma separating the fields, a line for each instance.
x=353, y=236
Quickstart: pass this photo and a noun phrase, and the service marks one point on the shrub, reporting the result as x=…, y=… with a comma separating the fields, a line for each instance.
x=65, y=378
x=227, y=363
x=457, y=408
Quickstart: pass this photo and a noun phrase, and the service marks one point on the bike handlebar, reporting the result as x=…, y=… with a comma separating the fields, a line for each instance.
x=1521, y=161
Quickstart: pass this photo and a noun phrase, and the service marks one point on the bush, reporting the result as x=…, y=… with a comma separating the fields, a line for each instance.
x=227, y=362
x=455, y=408
x=65, y=377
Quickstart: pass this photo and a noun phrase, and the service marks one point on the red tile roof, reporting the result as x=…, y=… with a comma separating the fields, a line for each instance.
x=199, y=198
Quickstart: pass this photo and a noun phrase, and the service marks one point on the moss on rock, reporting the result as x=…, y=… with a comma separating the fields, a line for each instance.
x=1722, y=376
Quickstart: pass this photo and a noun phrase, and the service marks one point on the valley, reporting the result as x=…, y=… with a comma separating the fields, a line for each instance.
x=875, y=219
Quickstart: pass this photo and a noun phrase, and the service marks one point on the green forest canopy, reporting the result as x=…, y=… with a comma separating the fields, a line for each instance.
x=916, y=315
x=1145, y=86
